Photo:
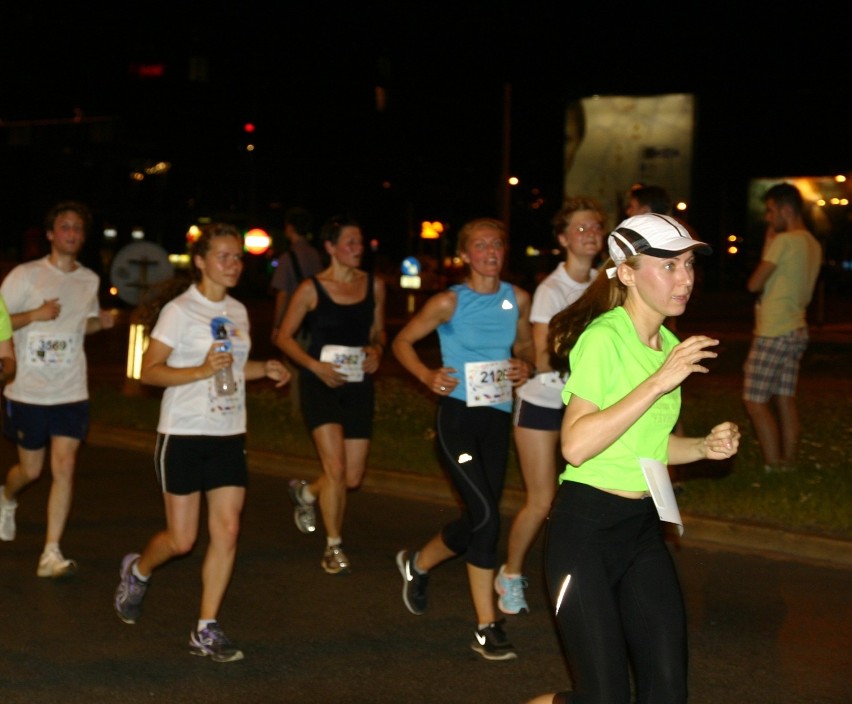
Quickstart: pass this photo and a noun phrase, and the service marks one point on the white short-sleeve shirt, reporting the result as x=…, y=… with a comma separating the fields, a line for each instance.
x=553, y=294
x=188, y=325
x=51, y=361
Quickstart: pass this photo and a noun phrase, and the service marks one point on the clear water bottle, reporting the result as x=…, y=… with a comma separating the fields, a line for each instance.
x=224, y=378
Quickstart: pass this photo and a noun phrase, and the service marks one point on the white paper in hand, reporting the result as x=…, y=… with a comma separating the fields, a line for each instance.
x=349, y=361
x=660, y=486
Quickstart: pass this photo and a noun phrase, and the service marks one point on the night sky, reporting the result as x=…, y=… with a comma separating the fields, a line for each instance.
x=771, y=100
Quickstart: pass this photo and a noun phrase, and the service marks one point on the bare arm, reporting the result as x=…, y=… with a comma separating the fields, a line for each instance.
x=49, y=310
x=587, y=430
x=271, y=368
x=720, y=443
x=760, y=276
x=156, y=372
x=304, y=300
x=278, y=315
x=436, y=310
x=104, y=321
x=7, y=357
x=522, y=366
x=542, y=355
x=764, y=268
x=378, y=340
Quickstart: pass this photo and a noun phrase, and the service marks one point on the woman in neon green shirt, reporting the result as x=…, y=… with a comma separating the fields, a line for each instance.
x=610, y=576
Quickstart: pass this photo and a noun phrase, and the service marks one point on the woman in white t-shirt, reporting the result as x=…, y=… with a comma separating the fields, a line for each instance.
x=201, y=432
x=538, y=405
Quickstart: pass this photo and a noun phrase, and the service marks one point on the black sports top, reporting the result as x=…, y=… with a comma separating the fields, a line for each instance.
x=333, y=323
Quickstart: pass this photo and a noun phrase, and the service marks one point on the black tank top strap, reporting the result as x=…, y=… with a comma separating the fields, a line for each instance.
x=322, y=294
x=333, y=323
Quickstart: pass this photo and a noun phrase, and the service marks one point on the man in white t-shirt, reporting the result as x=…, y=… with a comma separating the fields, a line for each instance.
x=53, y=304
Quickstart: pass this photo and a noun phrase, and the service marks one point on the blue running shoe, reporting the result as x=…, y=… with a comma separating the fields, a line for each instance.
x=511, y=591
x=211, y=642
x=130, y=591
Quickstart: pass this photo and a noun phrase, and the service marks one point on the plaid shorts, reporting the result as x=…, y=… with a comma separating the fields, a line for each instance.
x=772, y=366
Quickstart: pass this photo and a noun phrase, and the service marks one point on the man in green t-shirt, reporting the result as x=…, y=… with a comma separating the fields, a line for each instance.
x=785, y=280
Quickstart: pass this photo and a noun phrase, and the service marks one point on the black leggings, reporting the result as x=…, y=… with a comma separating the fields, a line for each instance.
x=617, y=598
x=474, y=445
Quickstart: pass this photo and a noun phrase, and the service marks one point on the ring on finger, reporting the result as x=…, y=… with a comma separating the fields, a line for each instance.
x=443, y=388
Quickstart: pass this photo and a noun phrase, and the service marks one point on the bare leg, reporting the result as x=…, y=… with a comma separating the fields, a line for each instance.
x=766, y=429
x=28, y=469
x=537, y=455
x=433, y=554
x=179, y=535
x=225, y=505
x=357, y=450
x=788, y=416
x=63, y=455
x=546, y=699
x=331, y=487
x=482, y=591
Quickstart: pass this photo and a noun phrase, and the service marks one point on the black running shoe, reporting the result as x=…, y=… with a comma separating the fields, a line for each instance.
x=413, y=583
x=492, y=643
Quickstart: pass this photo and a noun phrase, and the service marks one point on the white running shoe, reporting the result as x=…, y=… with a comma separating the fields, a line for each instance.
x=52, y=564
x=7, y=517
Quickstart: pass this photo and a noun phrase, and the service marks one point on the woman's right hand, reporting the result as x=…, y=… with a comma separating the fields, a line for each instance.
x=685, y=359
x=328, y=374
x=49, y=310
x=216, y=359
x=441, y=381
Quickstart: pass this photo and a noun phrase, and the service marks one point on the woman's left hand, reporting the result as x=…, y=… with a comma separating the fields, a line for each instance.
x=276, y=371
x=722, y=442
x=372, y=358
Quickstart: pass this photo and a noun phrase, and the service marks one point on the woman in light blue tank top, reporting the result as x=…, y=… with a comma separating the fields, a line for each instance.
x=486, y=348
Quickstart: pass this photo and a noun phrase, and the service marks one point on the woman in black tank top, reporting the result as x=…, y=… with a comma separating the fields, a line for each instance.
x=343, y=307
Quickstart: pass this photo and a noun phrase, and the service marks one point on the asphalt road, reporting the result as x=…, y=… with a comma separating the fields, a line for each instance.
x=762, y=631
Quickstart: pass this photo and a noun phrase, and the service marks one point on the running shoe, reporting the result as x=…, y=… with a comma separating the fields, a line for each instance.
x=492, y=643
x=52, y=564
x=304, y=513
x=413, y=584
x=212, y=642
x=130, y=591
x=7, y=517
x=334, y=560
x=511, y=591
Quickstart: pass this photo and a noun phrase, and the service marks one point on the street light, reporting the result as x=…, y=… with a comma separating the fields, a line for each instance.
x=257, y=241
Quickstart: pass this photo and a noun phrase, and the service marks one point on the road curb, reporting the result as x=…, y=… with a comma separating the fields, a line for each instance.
x=698, y=530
